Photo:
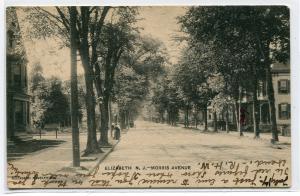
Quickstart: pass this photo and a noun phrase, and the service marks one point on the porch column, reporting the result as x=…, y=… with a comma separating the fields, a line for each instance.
x=260, y=105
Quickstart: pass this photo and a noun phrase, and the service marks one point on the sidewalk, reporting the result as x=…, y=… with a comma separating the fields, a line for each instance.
x=56, y=158
x=263, y=136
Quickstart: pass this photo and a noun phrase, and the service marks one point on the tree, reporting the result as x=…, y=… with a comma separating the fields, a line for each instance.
x=117, y=36
x=166, y=97
x=55, y=22
x=222, y=101
x=38, y=92
x=250, y=27
x=147, y=59
x=191, y=76
x=58, y=109
x=130, y=90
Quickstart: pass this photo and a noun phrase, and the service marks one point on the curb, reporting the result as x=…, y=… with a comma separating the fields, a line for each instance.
x=102, y=158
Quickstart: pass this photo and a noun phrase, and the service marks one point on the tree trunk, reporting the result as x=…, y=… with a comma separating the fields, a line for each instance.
x=215, y=122
x=186, y=117
x=111, y=118
x=104, y=121
x=255, y=112
x=205, y=118
x=227, y=120
x=264, y=49
x=271, y=103
x=236, y=112
x=92, y=145
x=127, y=119
x=169, y=117
x=196, y=118
x=240, y=129
x=162, y=117
x=185, y=121
x=174, y=116
x=122, y=116
x=255, y=104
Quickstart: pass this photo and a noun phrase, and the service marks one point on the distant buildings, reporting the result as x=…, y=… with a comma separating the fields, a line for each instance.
x=18, y=115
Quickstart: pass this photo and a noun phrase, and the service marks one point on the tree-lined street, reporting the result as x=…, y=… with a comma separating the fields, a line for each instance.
x=158, y=145
x=163, y=144
x=224, y=96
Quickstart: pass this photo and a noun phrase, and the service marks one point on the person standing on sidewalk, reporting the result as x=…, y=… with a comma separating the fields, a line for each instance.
x=117, y=132
x=243, y=113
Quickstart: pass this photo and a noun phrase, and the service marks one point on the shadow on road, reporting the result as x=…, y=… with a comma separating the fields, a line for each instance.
x=20, y=149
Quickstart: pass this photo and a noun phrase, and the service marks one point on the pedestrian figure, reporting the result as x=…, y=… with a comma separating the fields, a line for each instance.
x=243, y=113
x=131, y=124
x=117, y=132
x=242, y=116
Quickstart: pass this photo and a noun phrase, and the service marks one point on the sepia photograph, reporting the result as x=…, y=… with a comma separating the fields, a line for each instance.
x=151, y=97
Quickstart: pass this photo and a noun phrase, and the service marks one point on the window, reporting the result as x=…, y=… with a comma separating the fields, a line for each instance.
x=17, y=75
x=284, y=111
x=261, y=89
x=28, y=112
x=283, y=86
x=25, y=77
x=209, y=117
x=11, y=39
x=19, y=116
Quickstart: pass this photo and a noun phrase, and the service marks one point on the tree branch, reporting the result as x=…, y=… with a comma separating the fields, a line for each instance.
x=64, y=19
x=50, y=17
x=39, y=9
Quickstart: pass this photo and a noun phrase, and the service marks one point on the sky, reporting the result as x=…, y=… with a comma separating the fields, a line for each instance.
x=158, y=22
x=161, y=22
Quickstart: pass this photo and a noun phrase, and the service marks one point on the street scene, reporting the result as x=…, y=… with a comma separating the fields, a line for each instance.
x=164, y=144
x=160, y=146
x=148, y=97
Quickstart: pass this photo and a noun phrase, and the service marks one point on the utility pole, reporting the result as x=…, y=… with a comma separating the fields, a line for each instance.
x=74, y=90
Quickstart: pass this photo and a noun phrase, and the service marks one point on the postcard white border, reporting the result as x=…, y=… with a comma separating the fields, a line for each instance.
x=294, y=6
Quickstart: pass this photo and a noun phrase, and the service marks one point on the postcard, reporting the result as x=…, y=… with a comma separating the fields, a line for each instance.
x=107, y=97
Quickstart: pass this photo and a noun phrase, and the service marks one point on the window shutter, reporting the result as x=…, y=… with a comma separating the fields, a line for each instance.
x=288, y=86
x=278, y=85
x=289, y=111
x=279, y=110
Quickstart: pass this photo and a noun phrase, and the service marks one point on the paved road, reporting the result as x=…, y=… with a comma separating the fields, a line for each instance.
x=172, y=151
x=148, y=145
x=151, y=143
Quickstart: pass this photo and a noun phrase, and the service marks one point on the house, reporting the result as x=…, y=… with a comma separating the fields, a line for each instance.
x=281, y=85
x=18, y=114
